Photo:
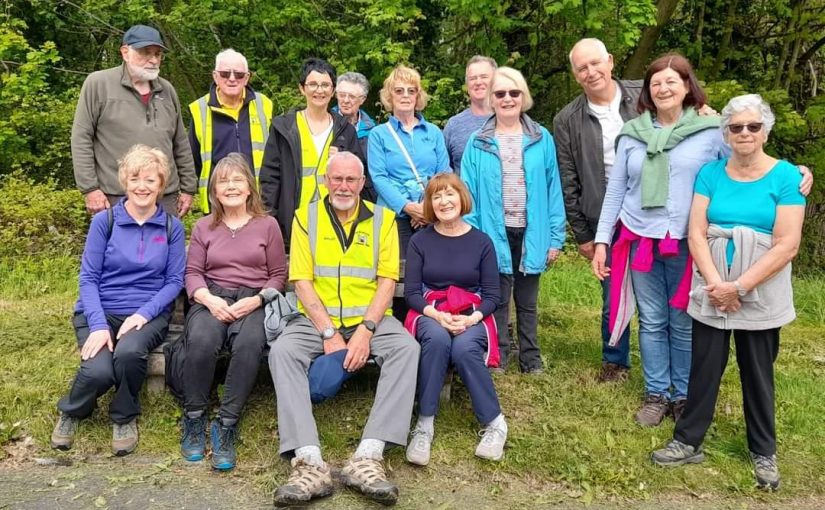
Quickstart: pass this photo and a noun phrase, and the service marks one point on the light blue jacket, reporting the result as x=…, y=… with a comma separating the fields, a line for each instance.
x=481, y=171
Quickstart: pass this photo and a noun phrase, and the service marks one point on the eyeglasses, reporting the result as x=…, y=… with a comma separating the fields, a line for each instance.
x=345, y=96
x=351, y=181
x=239, y=75
x=753, y=127
x=234, y=181
x=514, y=93
x=401, y=91
x=313, y=86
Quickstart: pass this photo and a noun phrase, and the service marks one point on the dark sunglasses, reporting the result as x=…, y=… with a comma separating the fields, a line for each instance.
x=239, y=75
x=753, y=127
x=514, y=93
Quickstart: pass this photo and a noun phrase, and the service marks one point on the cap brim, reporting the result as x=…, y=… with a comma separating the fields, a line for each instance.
x=143, y=44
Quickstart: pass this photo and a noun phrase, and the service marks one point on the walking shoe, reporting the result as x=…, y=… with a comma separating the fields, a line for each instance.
x=193, y=441
x=766, y=471
x=652, y=411
x=611, y=372
x=124, y=438
x=223, y=445
x=494, y=371
x=491, y=446
x=306, y=481
x=677, y=453
x=677, y=408
x=369, y=478
x=418, y=450
x=534, y=371
x=64, y=431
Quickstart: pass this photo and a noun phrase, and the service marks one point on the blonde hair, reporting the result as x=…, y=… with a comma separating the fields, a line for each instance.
x=403, y=74
x=517, y=78
x=229, y=164
x=142, y=157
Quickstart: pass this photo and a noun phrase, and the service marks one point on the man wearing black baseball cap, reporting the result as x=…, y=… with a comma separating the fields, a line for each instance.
x=127, y=105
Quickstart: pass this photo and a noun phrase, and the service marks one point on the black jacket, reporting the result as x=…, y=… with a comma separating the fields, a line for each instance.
x=281, y=170
x=579, y=152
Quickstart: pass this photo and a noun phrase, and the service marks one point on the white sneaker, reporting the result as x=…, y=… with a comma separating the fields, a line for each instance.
x=418, y=449
x=491, y=446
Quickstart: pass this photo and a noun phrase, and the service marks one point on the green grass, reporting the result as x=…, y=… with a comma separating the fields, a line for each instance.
x=566, y=431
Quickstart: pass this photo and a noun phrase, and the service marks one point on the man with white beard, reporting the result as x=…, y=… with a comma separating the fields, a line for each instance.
x=127, y=105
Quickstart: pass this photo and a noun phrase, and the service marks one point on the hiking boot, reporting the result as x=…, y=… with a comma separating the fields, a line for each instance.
x=223, y=445
x=491, y=446
x=64, y=431
x=652, y=411
x=193, y=441
x=611, y=372
x=124, y=438
x=677, y=408
x=306, y=481
x=677, y=453
x=418, y=450
x=369, y=478
x=766, y=471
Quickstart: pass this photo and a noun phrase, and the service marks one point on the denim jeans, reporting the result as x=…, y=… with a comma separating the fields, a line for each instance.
x=664, y=331
x=620, y=354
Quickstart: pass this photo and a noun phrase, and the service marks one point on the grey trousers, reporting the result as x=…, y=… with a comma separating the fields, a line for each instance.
x=393, y=349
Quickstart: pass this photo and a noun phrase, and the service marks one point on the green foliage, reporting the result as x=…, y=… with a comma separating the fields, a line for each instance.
x=38, y=219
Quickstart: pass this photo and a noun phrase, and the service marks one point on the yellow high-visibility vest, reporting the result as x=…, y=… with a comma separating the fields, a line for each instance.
x=346, y=281
x=313, y=168
x=260, y=117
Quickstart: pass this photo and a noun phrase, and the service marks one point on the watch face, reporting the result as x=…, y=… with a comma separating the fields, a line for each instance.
x=328, y=333
x=370, y=325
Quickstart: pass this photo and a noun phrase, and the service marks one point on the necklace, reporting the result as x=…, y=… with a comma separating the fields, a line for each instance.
x=237, y=229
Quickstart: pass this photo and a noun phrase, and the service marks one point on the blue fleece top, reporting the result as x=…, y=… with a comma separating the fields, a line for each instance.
x=135, y=270
x=365, y=122
x=481, y=172
x=391, y=175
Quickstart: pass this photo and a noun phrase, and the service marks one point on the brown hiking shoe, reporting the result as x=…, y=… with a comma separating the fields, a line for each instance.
x=306, y=481
x=63, y=433
x=677, y=408
x=369, y=478
x=611, y=372
x=124, y=438
x=653, y=411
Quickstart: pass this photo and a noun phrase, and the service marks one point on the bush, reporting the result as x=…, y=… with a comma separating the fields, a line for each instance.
x=39, y=219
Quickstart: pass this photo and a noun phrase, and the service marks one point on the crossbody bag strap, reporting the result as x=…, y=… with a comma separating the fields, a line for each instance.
x=405, y=153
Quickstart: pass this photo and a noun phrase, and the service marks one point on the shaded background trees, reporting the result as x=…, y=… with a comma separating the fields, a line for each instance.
x=774, y=47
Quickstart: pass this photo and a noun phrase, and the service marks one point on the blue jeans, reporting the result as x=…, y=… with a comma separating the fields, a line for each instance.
x=620, y=354
x=664, y=332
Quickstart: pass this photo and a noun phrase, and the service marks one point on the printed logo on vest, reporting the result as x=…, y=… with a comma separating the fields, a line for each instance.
x=362, y=238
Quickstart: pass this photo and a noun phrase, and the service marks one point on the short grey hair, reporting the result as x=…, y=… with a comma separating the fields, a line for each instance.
x=589, y=40
x=476, y=59
x=356, y=78
x=344, y=156
x=749, y=102
x=227, y=54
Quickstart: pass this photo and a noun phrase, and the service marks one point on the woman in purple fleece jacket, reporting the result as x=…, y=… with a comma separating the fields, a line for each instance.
x=131, y=272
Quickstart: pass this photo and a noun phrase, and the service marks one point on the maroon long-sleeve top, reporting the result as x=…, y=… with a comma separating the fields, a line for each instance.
x=253, y=256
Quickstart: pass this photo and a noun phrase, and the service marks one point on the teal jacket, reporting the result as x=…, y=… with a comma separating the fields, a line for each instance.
x=481, y=172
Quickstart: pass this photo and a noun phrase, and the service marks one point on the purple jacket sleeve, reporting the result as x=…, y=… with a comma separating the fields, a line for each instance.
x=91, y=267
x=172, y=276
x=196, y=260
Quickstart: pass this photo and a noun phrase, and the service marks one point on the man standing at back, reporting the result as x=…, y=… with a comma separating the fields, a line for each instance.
x=127, y=105
x=231, y=117
x=585, y=131
x=478, y=76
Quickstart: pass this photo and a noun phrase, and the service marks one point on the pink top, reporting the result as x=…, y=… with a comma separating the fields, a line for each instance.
x=251, y=257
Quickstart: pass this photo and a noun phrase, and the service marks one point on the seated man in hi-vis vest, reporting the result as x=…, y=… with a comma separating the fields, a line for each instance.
x=231, y=117
x=344, y=265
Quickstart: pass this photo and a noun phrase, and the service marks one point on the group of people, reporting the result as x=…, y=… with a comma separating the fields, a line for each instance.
x=697, y=222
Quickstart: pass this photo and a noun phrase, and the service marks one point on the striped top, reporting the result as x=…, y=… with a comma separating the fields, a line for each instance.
x=513, y=189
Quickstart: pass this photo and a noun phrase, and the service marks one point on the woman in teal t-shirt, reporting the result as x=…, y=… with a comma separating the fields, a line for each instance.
x=745, y=228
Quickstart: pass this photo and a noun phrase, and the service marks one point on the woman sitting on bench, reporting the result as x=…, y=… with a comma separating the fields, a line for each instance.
x=451, y=285
x=130, y=274
x=236, y=255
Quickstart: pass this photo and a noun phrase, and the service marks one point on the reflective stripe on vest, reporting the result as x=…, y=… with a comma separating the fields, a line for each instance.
x=350, y=287
x=313, y=168
x=260, y=112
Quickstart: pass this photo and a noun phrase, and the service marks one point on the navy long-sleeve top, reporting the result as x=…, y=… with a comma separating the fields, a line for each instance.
x=436, y=261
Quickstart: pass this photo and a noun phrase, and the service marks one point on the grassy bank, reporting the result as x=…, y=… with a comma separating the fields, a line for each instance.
x=566, y=431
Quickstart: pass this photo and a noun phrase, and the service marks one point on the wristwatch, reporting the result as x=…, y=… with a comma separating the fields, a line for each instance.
x=370, y=325
x=739, y=288
x=328, y=333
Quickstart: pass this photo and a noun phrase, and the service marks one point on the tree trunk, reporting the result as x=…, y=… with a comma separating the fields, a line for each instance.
x=724, y=45
x=635, y=66
x=698, y=29
x=786, y=44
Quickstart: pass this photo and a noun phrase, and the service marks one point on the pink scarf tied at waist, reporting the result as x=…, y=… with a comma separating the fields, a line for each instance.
x=456, y=300
x=622, y=297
